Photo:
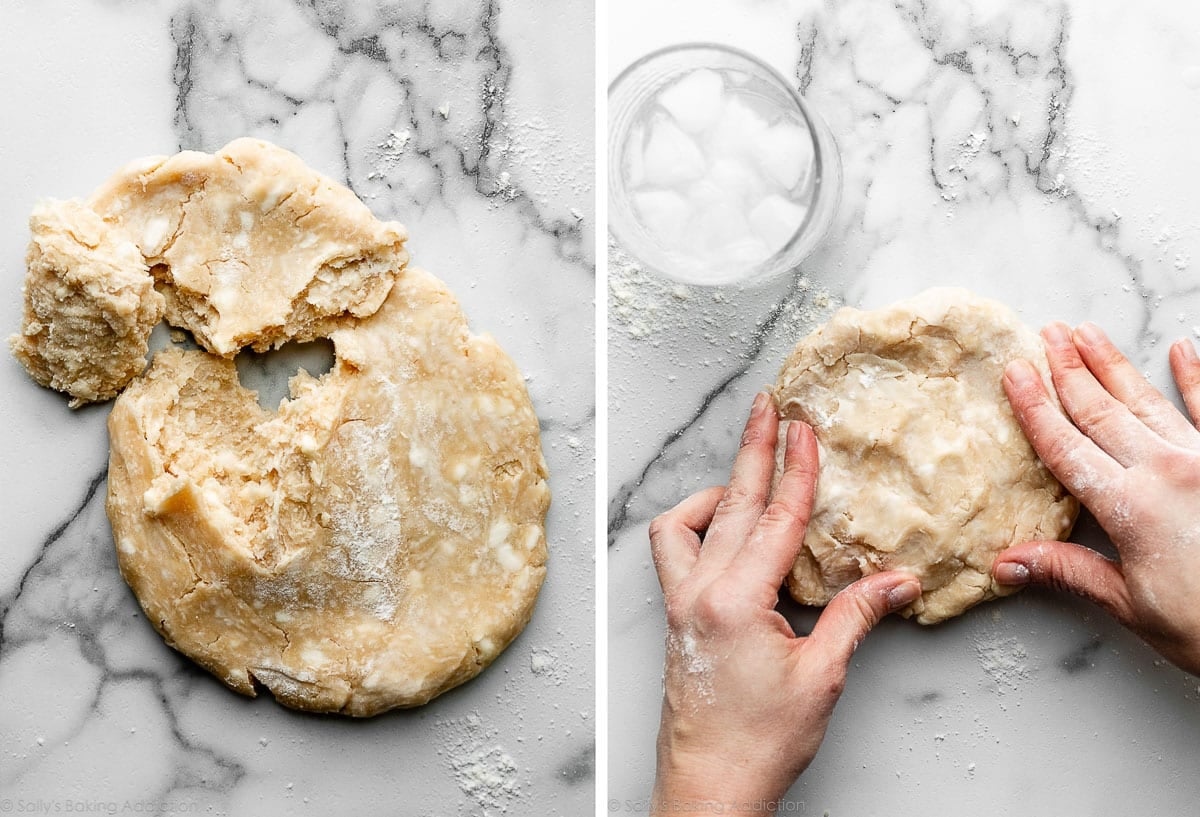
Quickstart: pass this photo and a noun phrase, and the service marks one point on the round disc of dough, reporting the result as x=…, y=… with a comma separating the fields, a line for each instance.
x=923, y=465
x=376, y=541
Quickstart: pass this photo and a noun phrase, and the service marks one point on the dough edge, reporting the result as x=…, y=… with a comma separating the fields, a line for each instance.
x=851, y=330
x=132, y=472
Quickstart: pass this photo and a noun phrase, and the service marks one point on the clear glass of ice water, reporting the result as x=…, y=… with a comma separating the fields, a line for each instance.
x=719, y=172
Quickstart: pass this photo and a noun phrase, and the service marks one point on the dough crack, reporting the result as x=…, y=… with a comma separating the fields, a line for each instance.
x=247, y=247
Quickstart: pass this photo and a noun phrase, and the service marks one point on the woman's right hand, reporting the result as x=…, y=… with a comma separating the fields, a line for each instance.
x=1134, y=461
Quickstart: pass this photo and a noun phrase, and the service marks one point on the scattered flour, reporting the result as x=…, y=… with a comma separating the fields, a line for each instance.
x=550, y=165
x=647, y=306
x=488, y=776
x=968, y=150
x=364, y=528
x=696, y=665
x=483, y=770
x=1003, y=661
x=638, y=301
x=541, y=662
x=548, y=666
x=389, y=152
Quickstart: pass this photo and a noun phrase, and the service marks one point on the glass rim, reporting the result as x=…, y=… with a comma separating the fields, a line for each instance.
x=775, y=263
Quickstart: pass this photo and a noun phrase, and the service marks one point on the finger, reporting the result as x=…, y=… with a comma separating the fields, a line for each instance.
x=749, y=485
x=771, y=549
x=1185, y=365
x=1098, y=414
x=855, y=611
x=1124, y=382
x=1075, y=461
x=1071, y=567
x=675, y=535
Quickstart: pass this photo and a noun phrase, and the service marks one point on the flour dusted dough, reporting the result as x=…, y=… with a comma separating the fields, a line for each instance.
x=923, y=465
x=89, y=305
x=252, y=247
x=246, y=247
x=375, y=542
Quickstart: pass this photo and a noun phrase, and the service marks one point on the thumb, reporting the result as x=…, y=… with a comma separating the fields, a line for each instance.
x=856, y=610
x=1067, y=566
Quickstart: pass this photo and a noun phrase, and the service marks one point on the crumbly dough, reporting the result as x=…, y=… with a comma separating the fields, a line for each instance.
x=375, y=542
x=251, y=246
x=247, y=246
x=89, y=304
x=923, y=465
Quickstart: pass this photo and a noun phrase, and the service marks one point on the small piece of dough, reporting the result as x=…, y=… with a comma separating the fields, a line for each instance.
x=923, y=465
x=375, y=542
x=248, y=247
x=89, y=304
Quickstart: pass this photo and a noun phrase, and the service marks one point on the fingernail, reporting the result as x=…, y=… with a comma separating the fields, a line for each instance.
x=1021, y=373
x=1189, y=351
x=1011, y=573
x=1057, y=334
x=903, y=595
x=760, y=403
x=793, y=434
x=1091, y=334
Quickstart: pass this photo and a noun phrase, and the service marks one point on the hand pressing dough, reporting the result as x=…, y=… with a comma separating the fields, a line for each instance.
x=89, y=305
x=923, y=465
x=246, y=247
x=372, y=544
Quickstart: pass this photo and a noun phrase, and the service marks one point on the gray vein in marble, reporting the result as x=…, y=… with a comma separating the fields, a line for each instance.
x=480, y=154
x=619, y=505
x=44, y=548
x=925, y=698
x=183, y=34
x=77, y=554
x=581, y=767
x=808, y=48
x=1039, y=164
x=1082, y=657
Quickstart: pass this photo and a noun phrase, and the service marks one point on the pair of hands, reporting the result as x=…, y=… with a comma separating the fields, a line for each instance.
x=739, y=683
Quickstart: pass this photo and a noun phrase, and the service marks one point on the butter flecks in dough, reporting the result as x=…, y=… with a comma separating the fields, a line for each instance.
x=248, y=247
x=372, y=544
x=251, y=246
x=90, y=304
x=923, y=465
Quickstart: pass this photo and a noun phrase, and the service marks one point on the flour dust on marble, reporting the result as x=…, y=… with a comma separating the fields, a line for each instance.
x=485, y=772
x=645, y=306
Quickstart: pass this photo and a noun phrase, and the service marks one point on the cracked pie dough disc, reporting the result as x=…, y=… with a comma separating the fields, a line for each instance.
x=923, y=465
x=375, y=542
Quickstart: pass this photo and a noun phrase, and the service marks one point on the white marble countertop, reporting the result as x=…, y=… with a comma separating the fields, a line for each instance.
x=471, y=123
x=1040, y=153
